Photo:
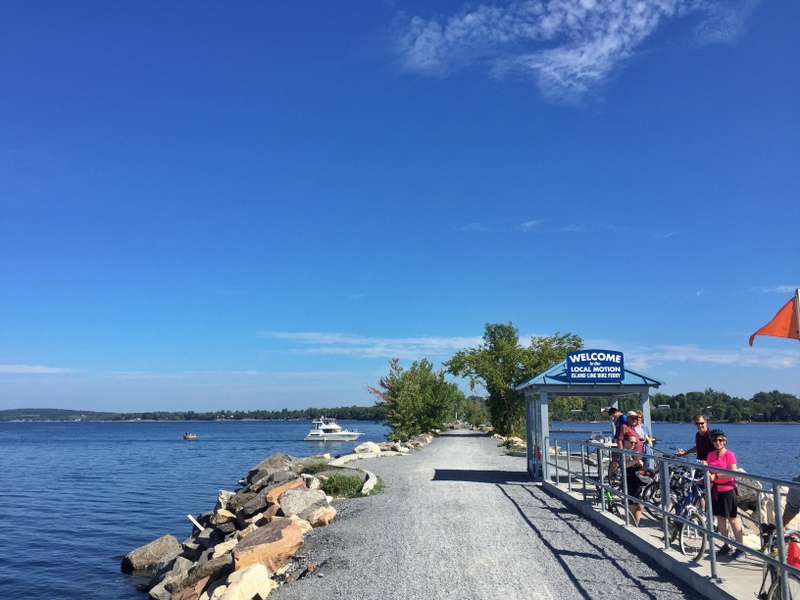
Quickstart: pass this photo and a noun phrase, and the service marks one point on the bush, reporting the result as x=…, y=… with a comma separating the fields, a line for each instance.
x=342, y=486
x=312, y=468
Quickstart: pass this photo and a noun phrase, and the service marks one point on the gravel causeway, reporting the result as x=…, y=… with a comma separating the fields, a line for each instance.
x=459, y=519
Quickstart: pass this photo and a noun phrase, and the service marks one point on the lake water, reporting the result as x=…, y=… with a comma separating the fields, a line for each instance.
x=79, y=496
x=763, y=449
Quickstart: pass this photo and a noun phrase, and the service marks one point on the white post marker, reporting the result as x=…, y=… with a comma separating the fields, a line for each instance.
x=196, y=524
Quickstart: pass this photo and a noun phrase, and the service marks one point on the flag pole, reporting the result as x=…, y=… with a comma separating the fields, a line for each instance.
x=797, y=307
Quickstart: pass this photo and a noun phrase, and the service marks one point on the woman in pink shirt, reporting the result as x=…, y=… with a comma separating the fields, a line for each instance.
x=723, y=493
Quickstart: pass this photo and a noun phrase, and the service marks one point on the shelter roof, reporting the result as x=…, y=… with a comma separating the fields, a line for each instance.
x=554, y=381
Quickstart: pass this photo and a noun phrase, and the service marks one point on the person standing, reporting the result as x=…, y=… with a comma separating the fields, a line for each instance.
x=633, y=463
x=643, y=431
x=723, y=493
x=619, y=420
x=702, y=439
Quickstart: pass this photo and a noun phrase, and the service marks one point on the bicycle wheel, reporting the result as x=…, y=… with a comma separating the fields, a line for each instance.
x=618, y=510
x=693, y=537
x=794, y=589
x=774, y=592
x=674, y=526
x=614, y=478
x=652, y=494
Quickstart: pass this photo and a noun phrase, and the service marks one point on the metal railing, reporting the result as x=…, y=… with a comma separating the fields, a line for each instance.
x=560, y=457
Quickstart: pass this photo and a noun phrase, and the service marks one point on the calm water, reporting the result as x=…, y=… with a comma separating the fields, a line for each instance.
x=79, y=496
x=763, y=449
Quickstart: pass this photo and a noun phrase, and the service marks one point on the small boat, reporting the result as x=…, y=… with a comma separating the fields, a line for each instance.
x=189, y=436
x=328, y=430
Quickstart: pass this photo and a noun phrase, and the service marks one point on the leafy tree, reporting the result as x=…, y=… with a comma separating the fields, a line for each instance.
x=475, y=410
x=501, y=363
x=416, y=400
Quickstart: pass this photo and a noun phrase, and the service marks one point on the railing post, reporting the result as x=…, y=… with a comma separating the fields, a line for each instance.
x=569, y=470
x=555, y=453
x=601, y=478
x=663, y=467
x=583, y=469
x=777, y=511
x=624, y=475
x=712, y=550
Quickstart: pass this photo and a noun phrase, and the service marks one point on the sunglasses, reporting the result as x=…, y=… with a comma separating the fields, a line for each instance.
x=700, y=423
x=720, y=440
x=631, y=441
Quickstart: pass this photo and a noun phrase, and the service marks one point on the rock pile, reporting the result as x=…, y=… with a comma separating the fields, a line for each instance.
x=249, y=538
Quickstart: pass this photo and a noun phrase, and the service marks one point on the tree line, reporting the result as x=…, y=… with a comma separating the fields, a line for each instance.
x=419, y=399
x=355, y=413
x=719, y=407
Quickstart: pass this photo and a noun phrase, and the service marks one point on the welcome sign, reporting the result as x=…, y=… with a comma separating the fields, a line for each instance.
x=603, y=366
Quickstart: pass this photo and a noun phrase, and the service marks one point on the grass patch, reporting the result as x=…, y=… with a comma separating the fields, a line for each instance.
x=312, y=468
x=342, y=486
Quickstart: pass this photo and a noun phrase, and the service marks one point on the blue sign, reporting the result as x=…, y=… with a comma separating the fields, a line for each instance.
x=595, y=366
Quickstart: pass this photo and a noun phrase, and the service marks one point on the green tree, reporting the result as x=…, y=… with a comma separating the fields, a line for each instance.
x=501, y=363
x=476, y=411
x=416, y=400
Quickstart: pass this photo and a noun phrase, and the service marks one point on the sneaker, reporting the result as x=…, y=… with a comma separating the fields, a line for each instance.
x=724, y=551
x=738, y=554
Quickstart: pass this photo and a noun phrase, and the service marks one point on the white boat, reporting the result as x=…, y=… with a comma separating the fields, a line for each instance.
x=328, y=430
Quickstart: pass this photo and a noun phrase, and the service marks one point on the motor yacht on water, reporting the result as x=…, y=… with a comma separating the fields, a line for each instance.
x=328, y=430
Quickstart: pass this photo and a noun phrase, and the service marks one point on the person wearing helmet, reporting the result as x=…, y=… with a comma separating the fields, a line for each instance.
x=724, y=494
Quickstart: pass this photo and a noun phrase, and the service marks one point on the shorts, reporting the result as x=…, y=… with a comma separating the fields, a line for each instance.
x=724, y=504
x=634, y=483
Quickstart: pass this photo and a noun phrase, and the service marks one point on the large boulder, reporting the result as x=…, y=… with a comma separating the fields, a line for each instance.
x=295, y=502
x=272, y=545
x=320, y=515
x=366, y=447
x=178, y=571
x=149, y=554
x=248, y=583
x=276, y=462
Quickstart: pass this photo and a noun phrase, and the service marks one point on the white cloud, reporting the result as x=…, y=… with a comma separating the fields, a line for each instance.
x=648, y=357
x=35, y=369
x=567, y=46
x=529, y=225
x=780, y=289
x=412, y=348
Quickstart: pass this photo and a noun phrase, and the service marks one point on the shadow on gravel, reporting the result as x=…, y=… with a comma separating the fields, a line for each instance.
x=478, y=476
x=563, y=514
x=464, y=433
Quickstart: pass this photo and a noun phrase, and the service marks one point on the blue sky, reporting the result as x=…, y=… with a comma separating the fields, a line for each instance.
x=255, y=205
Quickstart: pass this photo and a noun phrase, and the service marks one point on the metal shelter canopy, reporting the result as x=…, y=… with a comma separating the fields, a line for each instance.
x=554, y=382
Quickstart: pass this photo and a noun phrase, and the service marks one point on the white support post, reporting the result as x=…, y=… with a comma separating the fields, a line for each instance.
x=544, y=432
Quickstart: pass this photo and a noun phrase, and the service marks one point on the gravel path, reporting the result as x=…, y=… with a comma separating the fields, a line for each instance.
x=459, y=519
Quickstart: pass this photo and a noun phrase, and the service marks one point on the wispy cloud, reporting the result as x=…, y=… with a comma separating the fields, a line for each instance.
x=342, y=344
x=649, y=357
x=179, y=374
x=473, y=227
x=567, y=46
x=779, y=289
x=34, y=369
x=529, y=226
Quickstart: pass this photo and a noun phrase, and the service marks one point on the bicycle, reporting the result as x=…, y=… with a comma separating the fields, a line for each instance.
x=685, y=498
x=611, y=504
x=769, y=545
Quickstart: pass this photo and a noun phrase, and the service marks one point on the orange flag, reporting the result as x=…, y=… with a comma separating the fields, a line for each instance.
x=783, y=324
